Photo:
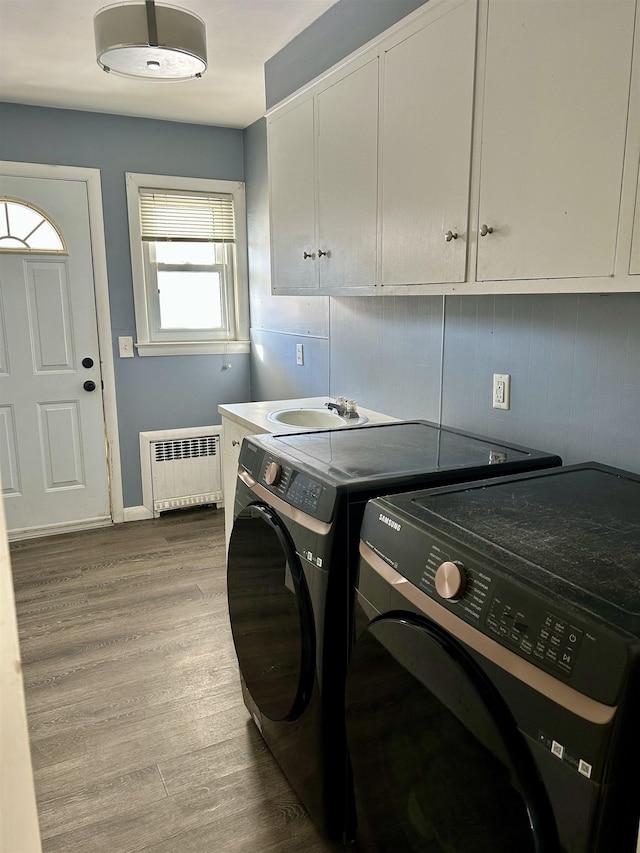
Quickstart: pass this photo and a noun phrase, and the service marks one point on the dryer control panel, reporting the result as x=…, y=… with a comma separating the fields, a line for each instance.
x=285, y=481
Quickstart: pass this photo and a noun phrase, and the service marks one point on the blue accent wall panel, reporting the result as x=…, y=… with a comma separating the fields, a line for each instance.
x=275, y=374
x=386, y=353
x=184, y=392
x=574, y=362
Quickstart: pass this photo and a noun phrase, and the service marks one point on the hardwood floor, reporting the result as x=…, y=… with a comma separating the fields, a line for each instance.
x=140, y=740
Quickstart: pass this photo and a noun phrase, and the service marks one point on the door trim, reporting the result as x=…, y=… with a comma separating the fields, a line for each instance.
x=91, y=177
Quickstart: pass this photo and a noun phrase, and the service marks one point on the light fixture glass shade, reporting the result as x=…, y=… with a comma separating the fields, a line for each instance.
x=150, y=41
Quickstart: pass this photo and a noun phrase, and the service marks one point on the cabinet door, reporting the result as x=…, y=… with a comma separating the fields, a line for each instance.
x=553, y=134
x=232, y=435
x=426, y=150
x=347, y=180
x=292, y=188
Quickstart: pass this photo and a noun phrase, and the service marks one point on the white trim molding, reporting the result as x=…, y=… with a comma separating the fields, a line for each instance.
x=238, y=340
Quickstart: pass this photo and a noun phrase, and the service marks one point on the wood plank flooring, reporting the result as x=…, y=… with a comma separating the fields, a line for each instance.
x=140, y=740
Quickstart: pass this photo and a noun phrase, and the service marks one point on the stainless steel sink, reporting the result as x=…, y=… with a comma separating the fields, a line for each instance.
x=312, y=417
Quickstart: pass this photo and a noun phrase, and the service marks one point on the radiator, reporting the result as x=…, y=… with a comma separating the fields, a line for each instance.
x=181, y=468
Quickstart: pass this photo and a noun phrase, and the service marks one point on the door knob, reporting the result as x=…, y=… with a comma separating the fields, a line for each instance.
x=89, y=385
x=450, y=235
x=87, y=362
x=485, y=229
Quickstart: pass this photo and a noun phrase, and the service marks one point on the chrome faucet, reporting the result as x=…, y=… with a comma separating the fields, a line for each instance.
x=338, y=408
x=343, y=407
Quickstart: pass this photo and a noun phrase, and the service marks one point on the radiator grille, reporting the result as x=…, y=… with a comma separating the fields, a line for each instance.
x=181, y=467
x=189, y=448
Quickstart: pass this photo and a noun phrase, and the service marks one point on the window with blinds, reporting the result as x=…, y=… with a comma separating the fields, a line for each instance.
x=187, y=244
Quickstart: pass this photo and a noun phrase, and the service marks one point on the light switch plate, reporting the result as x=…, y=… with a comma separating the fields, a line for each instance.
x=125, y=345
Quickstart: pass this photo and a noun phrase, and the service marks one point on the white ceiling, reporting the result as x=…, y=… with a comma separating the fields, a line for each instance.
x=47, y=57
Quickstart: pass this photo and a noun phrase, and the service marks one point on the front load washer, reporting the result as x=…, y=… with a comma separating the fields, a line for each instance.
x=293, y=548
x=493, y=691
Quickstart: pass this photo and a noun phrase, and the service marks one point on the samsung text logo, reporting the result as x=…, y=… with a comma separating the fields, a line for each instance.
x=389, y=522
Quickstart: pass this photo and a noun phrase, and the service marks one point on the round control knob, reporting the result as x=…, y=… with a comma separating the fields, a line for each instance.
x=451, y=580
x=272, y=474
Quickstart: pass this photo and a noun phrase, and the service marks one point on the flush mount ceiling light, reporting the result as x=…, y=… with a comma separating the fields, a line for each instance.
x=149, y=41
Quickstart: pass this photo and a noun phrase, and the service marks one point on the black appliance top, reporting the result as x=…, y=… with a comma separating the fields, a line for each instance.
x=572, y=531
x=355, y=457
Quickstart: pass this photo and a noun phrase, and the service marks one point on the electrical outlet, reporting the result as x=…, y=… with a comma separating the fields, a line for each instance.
x=501, y=391
x=299, y=353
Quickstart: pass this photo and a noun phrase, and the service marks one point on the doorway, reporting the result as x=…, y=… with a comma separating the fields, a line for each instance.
x=58, y=433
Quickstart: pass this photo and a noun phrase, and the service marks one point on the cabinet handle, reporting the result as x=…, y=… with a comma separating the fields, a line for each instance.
x=235, y=443
x=484, y=230
x=321, y=253
x=450, y=235
x=306, y=255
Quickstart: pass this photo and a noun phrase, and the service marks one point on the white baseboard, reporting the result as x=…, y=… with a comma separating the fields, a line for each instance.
x=18, y=534
x=136, y=513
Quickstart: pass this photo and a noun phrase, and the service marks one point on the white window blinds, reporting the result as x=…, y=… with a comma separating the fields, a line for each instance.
x=186, y=216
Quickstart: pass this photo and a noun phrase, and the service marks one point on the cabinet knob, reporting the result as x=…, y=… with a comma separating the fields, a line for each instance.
x=485, y=229
x=306, y=255
x=321, y=253
x=234, y=443
x=450, y=235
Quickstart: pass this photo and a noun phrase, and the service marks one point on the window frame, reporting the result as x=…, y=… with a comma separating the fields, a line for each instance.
x=237, y=294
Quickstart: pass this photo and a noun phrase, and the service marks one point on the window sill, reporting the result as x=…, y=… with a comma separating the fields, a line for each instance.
x=193, y=348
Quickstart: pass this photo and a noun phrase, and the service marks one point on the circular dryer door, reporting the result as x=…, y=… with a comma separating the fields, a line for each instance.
x=438, y=763
x=270, y=612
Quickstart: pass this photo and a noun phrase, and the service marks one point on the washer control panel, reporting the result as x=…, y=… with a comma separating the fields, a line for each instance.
x=501, y=604
x=537, y=633
x=514, y=619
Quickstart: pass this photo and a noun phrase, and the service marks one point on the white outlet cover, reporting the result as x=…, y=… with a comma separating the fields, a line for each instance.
x=501, y=391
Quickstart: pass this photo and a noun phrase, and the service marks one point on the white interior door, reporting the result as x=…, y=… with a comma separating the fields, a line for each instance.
x=52, y=435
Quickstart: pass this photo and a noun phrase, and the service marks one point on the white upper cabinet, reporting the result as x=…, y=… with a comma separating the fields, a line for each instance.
x=554, y=120
x=323, y=171
x=425, y=150
x=478, y=146
x=292, y=178
x=347, y=180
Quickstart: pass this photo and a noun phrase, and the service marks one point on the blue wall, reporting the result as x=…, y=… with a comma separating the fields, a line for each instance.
x=574, y=359
x=159, y=392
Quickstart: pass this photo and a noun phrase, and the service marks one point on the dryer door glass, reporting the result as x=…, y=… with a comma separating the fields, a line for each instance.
x=270, y=612
x=438, y=763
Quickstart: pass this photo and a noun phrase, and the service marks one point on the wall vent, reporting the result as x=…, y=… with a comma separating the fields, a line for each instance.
x=181, y=468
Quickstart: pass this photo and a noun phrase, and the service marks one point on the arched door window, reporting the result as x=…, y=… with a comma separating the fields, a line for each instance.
x=26, y=228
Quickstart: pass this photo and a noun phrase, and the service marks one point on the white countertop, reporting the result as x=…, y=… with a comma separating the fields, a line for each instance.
x=255, y=415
